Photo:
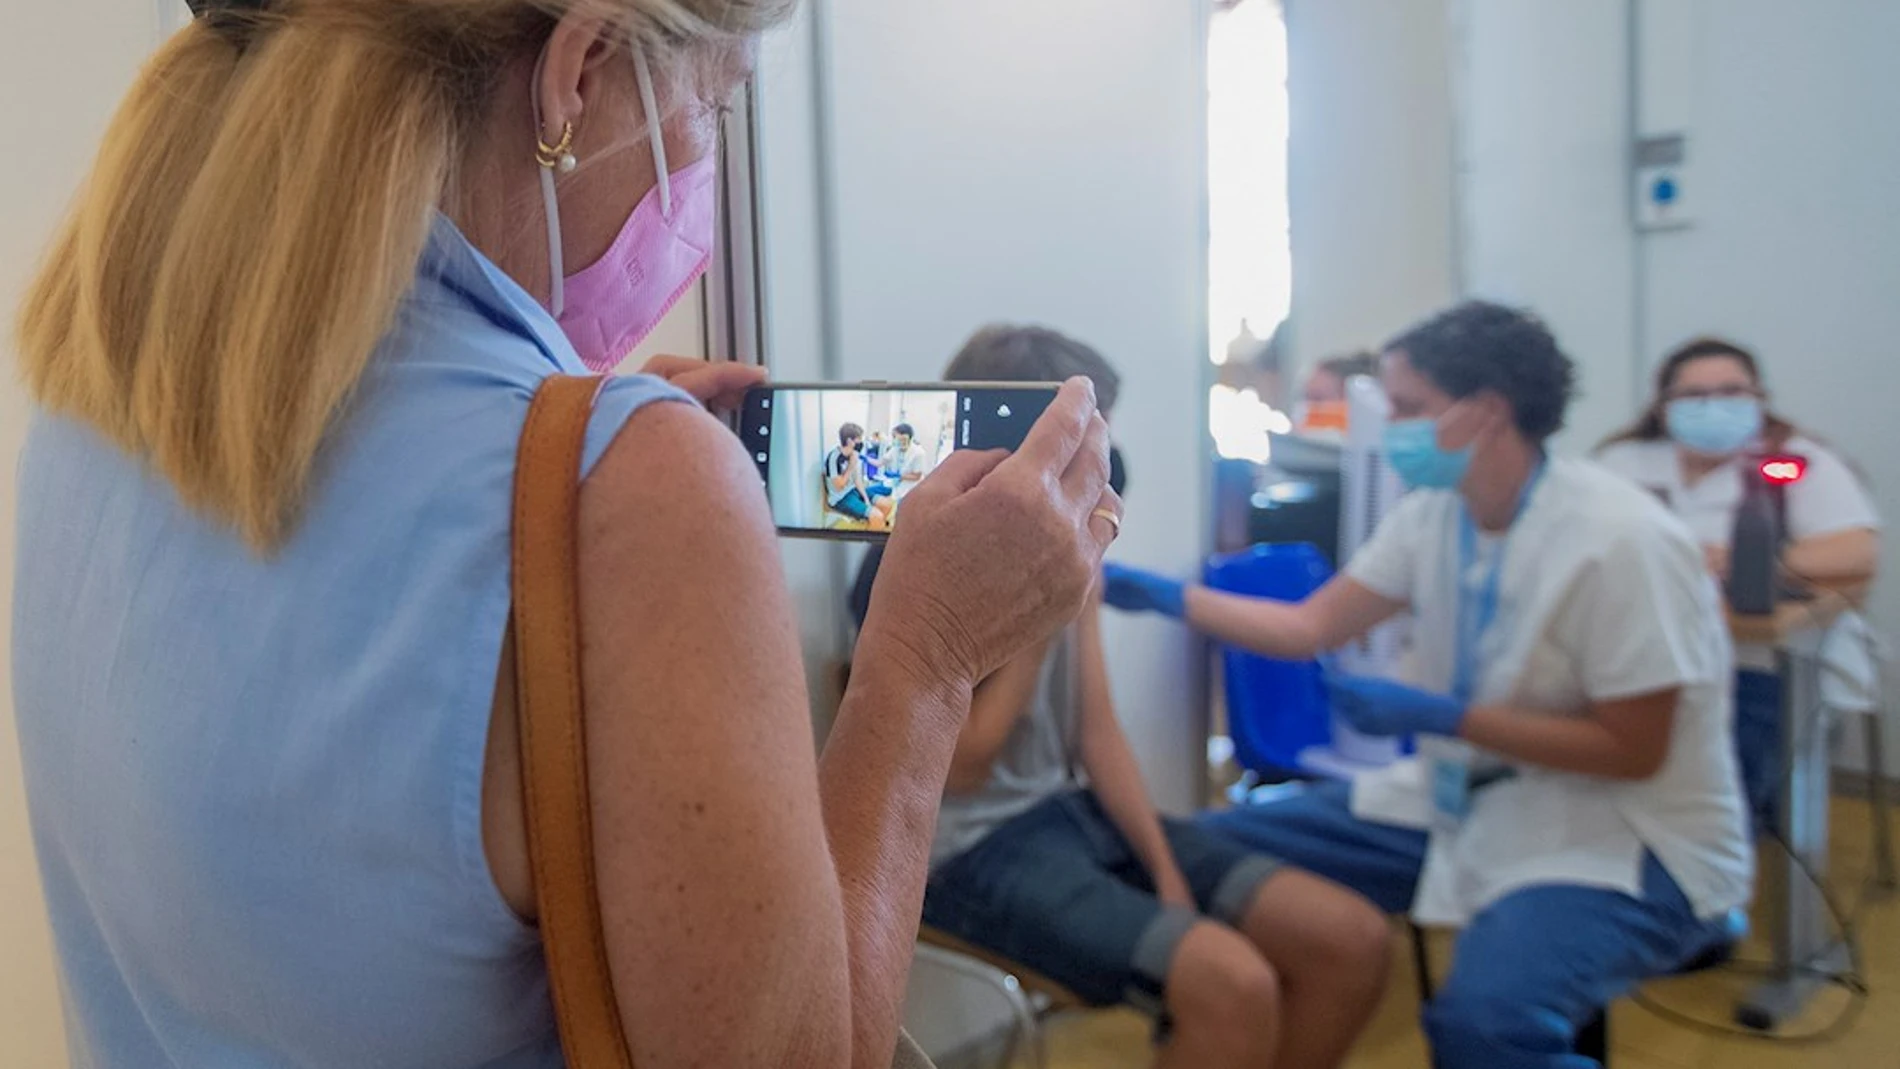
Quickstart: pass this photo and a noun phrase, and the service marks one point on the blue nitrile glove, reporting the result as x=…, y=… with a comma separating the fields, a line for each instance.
x=1133, y=590
x=1381, y=707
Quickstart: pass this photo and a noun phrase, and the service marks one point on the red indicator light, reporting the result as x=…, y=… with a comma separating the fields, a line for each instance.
x=1783, y=471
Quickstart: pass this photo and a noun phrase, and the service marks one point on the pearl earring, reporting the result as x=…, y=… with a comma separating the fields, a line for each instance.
x=558, y=157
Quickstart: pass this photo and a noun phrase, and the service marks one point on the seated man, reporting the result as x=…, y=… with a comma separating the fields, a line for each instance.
x=848, y=489
x=1050, y=854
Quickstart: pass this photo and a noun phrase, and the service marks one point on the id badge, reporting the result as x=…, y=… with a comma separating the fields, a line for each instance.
x=1450, y=770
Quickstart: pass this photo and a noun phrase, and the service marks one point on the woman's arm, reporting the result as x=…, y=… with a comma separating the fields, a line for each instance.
x=1114, y=774
x=995, y=709
x=1341, y=610
x=1625, y=739
x=760, y=910
x=709, y=833
x=1843, y=560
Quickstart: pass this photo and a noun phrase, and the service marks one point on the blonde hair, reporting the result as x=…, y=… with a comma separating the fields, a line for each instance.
x=257, y=212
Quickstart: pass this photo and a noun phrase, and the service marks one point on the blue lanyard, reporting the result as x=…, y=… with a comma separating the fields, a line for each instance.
x=1477, y=613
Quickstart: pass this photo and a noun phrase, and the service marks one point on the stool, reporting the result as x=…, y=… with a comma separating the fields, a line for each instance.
x=1032, y=998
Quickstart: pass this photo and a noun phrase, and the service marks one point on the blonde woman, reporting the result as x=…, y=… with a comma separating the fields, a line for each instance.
x=282, y=352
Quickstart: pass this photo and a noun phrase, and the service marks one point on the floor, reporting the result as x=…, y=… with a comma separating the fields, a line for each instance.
x=1117, y=1039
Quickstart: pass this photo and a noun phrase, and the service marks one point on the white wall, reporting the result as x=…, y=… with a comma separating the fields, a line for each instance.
x=794, y=317
x=1794, y=148
x=1370, y=165
x=1543, y=129
x=1043, y=162
x=80, y=54
x=1796, y=252
x=998, y=160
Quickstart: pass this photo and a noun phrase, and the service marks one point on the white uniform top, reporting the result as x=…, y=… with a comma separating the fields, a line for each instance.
x=906, y=462
x=1603, y=596
x=1829, y=499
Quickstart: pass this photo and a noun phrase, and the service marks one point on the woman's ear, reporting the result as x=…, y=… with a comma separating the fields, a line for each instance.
x=563, y=82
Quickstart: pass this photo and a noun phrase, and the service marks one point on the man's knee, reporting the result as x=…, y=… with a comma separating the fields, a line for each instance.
x=1318, y=932
x=1223, y=992
x=1358, y=940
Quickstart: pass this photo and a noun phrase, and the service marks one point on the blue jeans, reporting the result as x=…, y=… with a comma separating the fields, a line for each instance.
x=854, y=505
x=1758, y=743
x=1530, y=970
x=1059, y=890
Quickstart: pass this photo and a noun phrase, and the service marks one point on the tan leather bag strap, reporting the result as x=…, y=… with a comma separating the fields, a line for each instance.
x=553, y=728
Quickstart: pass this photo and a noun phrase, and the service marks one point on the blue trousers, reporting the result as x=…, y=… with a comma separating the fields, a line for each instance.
x=1758, y=743
x=1530, y=970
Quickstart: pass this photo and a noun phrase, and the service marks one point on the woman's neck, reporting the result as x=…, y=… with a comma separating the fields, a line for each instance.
x=1494, y=490
x=1697, y=466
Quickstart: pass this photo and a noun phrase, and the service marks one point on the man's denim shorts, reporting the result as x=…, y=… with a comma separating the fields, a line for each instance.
x=1060, y=892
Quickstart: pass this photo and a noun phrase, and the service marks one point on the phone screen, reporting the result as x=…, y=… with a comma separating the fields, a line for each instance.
x=838, y=461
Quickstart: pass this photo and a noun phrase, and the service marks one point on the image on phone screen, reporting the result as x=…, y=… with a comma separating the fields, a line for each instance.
x=838, y=461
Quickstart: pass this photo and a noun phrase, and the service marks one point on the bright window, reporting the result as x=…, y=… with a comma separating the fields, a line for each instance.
x=1250, y=258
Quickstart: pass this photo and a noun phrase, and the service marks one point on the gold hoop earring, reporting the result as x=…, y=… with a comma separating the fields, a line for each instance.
x=557, y=157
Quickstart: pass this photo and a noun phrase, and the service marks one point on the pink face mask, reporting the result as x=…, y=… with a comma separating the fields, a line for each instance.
x=609, y=307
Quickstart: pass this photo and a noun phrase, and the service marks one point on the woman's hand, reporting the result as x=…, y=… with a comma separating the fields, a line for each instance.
x=998, y=551
x=719, y=385
x=1716, y=558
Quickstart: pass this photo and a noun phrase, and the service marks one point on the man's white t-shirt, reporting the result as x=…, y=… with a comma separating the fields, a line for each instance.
x=838, y=465
x=1603, y=596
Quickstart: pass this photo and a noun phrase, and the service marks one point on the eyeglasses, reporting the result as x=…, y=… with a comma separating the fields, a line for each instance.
x=1705, y=393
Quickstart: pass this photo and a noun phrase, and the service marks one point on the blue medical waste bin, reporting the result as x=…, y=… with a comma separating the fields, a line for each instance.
x=1275, y=709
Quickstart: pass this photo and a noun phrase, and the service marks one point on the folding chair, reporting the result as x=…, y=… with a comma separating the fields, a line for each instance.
x=1031, y=997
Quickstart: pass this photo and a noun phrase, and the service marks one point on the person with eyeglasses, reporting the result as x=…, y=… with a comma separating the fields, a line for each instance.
x=1692, y=448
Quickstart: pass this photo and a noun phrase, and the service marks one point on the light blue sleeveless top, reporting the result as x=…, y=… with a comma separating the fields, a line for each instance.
x=255, y=785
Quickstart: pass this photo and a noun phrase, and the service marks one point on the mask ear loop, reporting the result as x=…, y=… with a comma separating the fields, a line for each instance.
x=643, y=75
x=551, y=209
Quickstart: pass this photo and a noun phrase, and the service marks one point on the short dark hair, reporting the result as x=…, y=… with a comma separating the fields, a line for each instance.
x=1478, y=346
x=1346, y=365
x=904, y=429
x=848, y=432
x=1005, y=353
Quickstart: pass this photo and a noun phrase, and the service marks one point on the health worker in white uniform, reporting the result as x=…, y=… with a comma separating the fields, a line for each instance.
x=1575, y=807
x=1693, y=448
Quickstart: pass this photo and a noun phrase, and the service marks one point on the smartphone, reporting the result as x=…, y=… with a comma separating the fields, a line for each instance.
x=838, y=460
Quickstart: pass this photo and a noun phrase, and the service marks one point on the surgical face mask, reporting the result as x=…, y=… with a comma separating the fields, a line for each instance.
x=1411, y=447
x=1717, y=426
x=608, y=308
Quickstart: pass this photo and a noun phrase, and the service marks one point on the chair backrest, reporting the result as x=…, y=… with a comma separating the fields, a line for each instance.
x=1275, y=709
x=1033, y=982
